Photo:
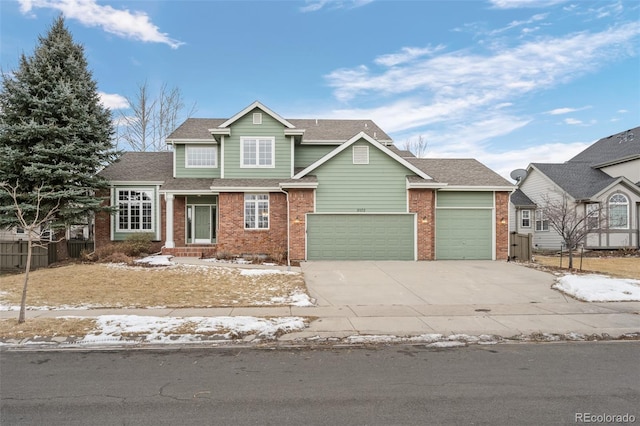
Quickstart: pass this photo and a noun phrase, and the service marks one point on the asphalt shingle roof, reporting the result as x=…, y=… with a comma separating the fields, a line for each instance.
x=615, y=147
x=459, y=171
x=315, y=130
x=520, y=199
x=577, y=178
x=141, y=166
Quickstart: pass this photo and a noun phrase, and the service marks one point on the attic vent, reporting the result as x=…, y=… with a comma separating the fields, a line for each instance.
x=257, y=118
x=360, y=154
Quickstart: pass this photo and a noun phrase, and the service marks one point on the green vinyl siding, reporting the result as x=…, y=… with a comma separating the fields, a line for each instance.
x=244, y=127
x=179, y=152
x=464, y=199
x=379, y=186
x=306, y=155
x=360, y=237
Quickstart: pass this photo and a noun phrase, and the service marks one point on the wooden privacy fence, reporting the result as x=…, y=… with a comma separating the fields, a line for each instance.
x=75, y=247
x=520, y=246
x=13, y=255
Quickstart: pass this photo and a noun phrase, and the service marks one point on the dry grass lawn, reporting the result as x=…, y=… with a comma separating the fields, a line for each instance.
x=50, y=327
x=107, y=286
x=623, y=267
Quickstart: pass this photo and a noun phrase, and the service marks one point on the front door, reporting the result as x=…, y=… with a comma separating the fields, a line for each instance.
x=202, y=224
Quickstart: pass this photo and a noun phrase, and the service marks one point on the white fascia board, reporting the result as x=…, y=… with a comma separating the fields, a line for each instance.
x=191, y=141
x=375, y=143
x=547, y=178
x=425, y=185
x=294, y=132
x=219, y=189
x=251, y=107
x=184, y=192
x=321, y=142
x=224, y=132
x=620, y=181
x=617, y=161
x=299, y=185
x=479, y=188
x=135, y=183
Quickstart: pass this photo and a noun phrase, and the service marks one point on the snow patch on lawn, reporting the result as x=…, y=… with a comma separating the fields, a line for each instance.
x=156, y=260
x=297, y=298
x=258, y=272
x=112, y=328
x=599, y=288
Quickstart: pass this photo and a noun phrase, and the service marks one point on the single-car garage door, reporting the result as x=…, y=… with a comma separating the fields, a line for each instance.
x=464, y=225
x=360, y=236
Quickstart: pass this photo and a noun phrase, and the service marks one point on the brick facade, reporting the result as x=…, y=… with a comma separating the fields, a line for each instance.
x=502, y=225
x=233, y=239
x=422, y=202
x=300, y=203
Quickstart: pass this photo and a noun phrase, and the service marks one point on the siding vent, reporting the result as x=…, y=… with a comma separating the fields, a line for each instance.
x=360, y=154
x=257, y=118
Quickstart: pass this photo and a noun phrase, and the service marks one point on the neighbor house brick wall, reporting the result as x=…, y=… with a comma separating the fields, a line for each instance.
x=102, y=229
x=300, y=203
x=502, y=229
x=422, y=202
x=235, y=240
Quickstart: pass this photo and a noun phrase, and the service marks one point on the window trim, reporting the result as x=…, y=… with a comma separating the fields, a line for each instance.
x=257, y=139
x=619, y=204
x=256, y=206
x=522, y=218
x=194, y=147
x=152, y=221
x=592, y=211
x=540, y=219
x=257, y=118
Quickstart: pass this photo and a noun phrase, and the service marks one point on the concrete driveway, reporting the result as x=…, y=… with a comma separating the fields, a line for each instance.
x=427, y=283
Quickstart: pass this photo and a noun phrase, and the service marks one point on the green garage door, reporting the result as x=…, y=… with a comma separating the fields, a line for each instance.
x=360, y=237
x=464, y=234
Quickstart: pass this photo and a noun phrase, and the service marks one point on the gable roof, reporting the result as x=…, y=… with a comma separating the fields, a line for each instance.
x=623, y=145
x=250, y=108
x=373, y=142
x=577, y=179
x=520, y=199
x=461, y=172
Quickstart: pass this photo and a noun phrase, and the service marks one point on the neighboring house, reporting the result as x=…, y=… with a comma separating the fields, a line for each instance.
x=257, y=183
x=603, y=181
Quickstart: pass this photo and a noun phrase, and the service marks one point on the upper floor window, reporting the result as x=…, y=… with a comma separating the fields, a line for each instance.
x=618, y=212
x=257, y=118
x=257, y=151
x=542, y=223
x=135, y=210
x=525, y=219
x=256, y=211
x=360, y=154
x=201, y=156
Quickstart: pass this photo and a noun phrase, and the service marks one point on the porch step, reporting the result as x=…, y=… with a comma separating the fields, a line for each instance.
x=190, y=251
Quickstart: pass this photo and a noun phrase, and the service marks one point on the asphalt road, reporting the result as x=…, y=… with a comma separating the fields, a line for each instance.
x=509, y=384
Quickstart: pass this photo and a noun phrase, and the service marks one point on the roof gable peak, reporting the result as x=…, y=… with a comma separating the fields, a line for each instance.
x=264, y=109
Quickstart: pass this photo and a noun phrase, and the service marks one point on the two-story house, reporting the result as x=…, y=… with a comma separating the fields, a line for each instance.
x=602, y=184
x=257, y=183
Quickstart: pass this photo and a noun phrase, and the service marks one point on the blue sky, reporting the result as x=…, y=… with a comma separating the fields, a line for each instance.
x=508, y=82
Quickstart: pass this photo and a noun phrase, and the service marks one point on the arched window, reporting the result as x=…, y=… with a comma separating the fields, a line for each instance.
x=618, y=212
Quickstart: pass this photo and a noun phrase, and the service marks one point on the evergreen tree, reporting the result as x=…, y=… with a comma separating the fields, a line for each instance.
x=54, y=137
x=54, y=133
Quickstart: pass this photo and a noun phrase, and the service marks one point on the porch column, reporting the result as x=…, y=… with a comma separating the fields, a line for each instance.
x=169, y=243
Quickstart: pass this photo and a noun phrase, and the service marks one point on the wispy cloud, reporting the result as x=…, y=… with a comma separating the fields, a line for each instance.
x=113, y=100
x=516, y=4
x=121, y=22
x=566, y=110
x=315, y=5
x=407, y=54
x=440, y=88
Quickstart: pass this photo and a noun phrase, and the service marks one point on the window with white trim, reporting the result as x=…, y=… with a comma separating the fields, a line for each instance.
x=135, y=210
x=618, y=212
x=593, y=216
x=542, y=223
x=257, y=118
x=360, y=154
x=256, y=211
x=257, y=152
x=525, y=219
x=201, y=157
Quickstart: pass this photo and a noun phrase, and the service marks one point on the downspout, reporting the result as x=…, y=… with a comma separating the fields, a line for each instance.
x=286, y=194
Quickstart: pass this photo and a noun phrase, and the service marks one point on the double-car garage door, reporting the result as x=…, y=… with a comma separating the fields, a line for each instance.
x=360, y=236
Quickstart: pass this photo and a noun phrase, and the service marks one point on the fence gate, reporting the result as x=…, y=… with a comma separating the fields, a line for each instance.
x=520, y=246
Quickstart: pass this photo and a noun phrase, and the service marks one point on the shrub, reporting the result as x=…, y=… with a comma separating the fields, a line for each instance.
x=137, y=245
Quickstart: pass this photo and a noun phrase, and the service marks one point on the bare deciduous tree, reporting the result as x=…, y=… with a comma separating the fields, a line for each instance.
x=153, y=118
x=417, y=146
x=572, y=220
x=33, y=216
